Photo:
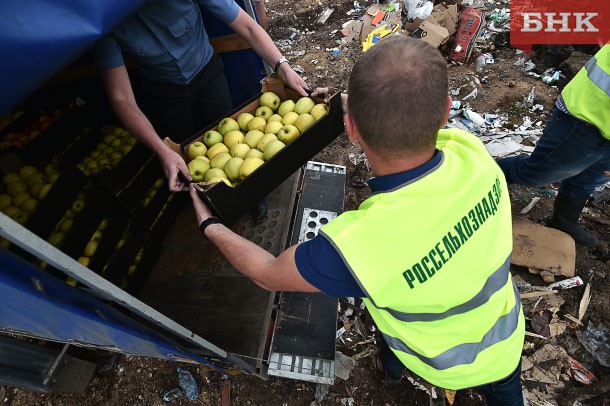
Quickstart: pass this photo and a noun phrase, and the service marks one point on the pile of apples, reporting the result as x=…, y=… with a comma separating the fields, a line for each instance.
x=115, y=145
x=238, y=147
x=24, y=189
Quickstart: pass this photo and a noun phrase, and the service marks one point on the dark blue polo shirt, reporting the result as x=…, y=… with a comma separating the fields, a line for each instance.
x=166, y=37
x=319, y=262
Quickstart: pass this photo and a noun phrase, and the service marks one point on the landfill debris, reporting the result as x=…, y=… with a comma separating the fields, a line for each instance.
x=530, y=205
x=321, y=391
x=595, y=341
x=368, y=352
x=188, y=384
x=472, y=21
x=347, y=402
x=169, y=395
x=324, y=16
x=343, y=365
x=450, y=395
x=580, y=373
x=584, y=302
x=543, y=248
x=567, y=283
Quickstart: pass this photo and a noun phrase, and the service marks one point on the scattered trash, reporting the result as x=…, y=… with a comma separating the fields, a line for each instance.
x=530, y=98
x=321, y=391
x=567, y=283
x=343, y=365
x=595, y=341
x=476, y=118
x=324, y=16
x=169, y=395
x=580, y=373
x=187, y=383
x=584, y=302
x=529, y=207
x=471, y=95
x=347, y=402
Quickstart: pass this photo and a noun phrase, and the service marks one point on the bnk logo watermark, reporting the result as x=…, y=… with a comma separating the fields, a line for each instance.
x=559, y=22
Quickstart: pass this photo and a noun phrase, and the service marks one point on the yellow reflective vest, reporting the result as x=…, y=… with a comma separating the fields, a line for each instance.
x=587, y=96
x=433, y=257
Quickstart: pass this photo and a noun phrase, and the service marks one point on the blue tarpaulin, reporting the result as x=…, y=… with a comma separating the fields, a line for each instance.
x=38, y=38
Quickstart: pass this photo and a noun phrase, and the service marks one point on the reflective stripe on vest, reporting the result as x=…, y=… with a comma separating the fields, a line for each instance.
x=494, y=283
x=598, y=76
x=587, y=96
x=466, y=353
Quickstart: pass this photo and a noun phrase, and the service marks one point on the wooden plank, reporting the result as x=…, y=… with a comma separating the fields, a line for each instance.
x=229, y=43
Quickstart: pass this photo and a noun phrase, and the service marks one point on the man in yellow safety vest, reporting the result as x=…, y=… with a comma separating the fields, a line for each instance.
x=574, y=148
x=429, y=251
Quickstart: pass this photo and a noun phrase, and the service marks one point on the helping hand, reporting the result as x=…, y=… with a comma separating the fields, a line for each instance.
x=173, y=165
x=202, y=211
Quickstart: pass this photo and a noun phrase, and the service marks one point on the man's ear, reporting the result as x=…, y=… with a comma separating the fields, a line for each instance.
x=447, y=110
x=350, y=127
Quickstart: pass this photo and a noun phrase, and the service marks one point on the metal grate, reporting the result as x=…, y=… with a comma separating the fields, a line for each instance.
x=313, y=220
x=302, y=368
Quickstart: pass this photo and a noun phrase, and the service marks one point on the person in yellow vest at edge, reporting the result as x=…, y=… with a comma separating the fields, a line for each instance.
x=574, y=148
x=429, y=251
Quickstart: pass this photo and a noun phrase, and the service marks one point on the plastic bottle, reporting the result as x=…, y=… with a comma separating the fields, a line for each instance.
x=480, y=63
x=188, y=384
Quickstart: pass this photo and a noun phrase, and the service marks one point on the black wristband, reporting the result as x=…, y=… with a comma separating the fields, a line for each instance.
x=205, y=223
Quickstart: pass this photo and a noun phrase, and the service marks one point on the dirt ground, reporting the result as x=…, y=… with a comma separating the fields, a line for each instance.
x=308, y=46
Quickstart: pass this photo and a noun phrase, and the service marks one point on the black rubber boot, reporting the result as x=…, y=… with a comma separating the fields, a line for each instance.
x=566, y=213
x=260, y=211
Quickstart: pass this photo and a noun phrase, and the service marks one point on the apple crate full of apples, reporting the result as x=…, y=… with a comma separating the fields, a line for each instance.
x=240, y=159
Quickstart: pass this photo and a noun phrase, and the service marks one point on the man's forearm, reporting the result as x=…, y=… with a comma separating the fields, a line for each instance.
x=138, y=124
x=247, y=257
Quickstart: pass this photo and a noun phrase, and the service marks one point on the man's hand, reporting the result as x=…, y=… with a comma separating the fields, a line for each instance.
x=202, y=211
x=173, y=164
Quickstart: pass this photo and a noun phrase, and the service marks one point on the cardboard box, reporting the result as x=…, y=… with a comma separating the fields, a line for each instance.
x=432, y=33
x=229, y=203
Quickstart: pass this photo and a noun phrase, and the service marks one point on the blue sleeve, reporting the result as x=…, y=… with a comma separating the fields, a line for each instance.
x=107, y=53
x=321, y=265
x=225, y=10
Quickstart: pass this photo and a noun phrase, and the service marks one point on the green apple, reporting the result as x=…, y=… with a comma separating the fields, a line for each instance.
x=286, y=107
x=248, y=166
x=69, y=214
x=290, y=118
x=21, y=217
x=239, y=150
x=231, y=168
x=275, y=117
x=90, y=248
x=252, y=138
x=304, y=105
x=95, y=153
x=217, y=149
x=11, y=210
x=56, y=238
x=10, y=178
x=211, y=137
x=44, y=190
x=262, y=143
x=97, y=236
x=254, y=153
x=5, y=200
x=34, y=190
x=125, y=149
x=197, y=169
x=319, y=110
x=50, y=169
x=115, y=142
x=14, y=188
x=114, y=157
x=243, y=119
x=65, y=225
x=84, y=261
x=304, y=121
x=29, y=205
x=214, y=173
x=273, y=127
x=271, y=100
x=288, y=133
x=195, y=149
x=272, y=148
x=34, y=178
x=77, y=205
x=233, y=137
x=257, y=123
x=220, y=160
x=26, y=171
x=20, y=198
x=108, y=138
x=227, y=124
x=223, y=180
x=159, y=182
x=204, y=158
x=264, y=112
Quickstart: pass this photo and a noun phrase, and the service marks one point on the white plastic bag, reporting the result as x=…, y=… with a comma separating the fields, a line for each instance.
x=418, y=9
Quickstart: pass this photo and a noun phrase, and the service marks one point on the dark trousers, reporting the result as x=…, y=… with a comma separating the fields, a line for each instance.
x=505, y=392
x=571, y=151
x=178, y=111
